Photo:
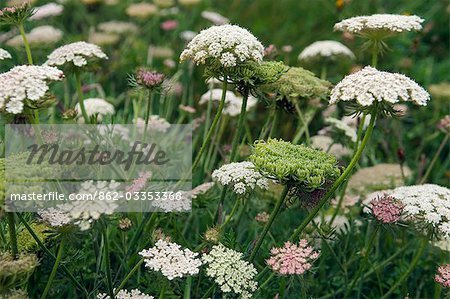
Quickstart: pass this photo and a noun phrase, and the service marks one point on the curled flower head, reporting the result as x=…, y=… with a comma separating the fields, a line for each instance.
x=16, y=14
x=223, y=47
x=230, y=271
x=77, y=54
x=298, y=83
x=149, y=79
x=386, y=24
x=4, y=54
x=26, y=85
x=325, y=49
x=443, y=276
x=294, y=164
x=15, y=272
x=171, y=260
x=292, y=259
x=370, y=85
x=242, y=176
x=386, y=209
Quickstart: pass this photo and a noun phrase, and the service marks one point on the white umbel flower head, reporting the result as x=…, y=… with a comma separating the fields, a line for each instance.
x=76, y=54
x=429, y=203
x=233, y=107
x=214, y=17
x=216, y=95
x=118, y=27
x=341, y=126
x=4, y=54
x=25, y=82
x=325, y=49
x=95, y=106
x=388, y=23
x=55, y=217
x=47, y=10
x=226, y=45
x=370, y=85
x=230, y=271
x=125, y=294
x=242, y=176
x=171, y=260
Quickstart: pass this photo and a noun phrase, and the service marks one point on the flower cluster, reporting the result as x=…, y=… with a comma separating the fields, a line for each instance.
x=125, y=294
x=379, y=177
x=117, y=27
x=380, y=22
x=25, y=83
x=298, y=83
x=386, y=209
x=430, y=203
x=225, y=46
x=214, y=17
x=55, y=217
x=15, y=272
x=39, y=36
x=95, y=107
x=443, y=276
x=4, y=54
x=156, y=123
x=289, y=163
x=16, y=14
x=47, y=10
x=171, y=260
x=325, y=49
x=141, y=10
x=77, y=54
x=149, y=79
x=371, y=85
x=229, y=271
x=242, y=176
x=233, y=107
x=292, y=258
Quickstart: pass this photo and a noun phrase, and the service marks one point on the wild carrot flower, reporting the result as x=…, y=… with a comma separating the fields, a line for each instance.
x=292, y=259
x=55, y=217
x=371, y=85
x=233, y=106
x=444, y=124
x=141, y=10
x=387, y=23
x=16, y=14
x=15, y=272
x=118, y=27
x=223, y=46
x=125, y=294
x=4, y=54
x=149, y=79
x=95, y=107
x=262, y=217
x=171, y=260
x=386, y=209
x=139, y=183
x=103, y=38
x=216, y=95
x=214, y=17
x=38, y=36
x=443, y=275
x=77, y=54
x=212, y=235
x=325, y=49
x=47, y=10
x=156, y=123
x=241, y=176
x=230, y=271
x=294, y=164
x=125, y=224
x=26, y=83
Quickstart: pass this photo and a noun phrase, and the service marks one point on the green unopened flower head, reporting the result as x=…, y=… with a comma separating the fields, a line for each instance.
x=296, y=165
x=26, y=241
x=16, y=15
x=15, y=272
x=298, y=83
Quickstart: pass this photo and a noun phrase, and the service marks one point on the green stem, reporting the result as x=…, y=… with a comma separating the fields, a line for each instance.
x=303, y=121
x=131, y=273
x=323, y=72
x=147, y=112
x=339, y=181
x=375, y=54
x=213, y=126
x=413, y=264
x=233, y=211
x=237, y=137
x=12, y=234
x=163, y=290
x=54, y=270
x=364, y=262
x=433, y=161
x=276, y=120
x=80, y=97
x=26, y=44
x=48, y=252
x=274, y=213
x=108, y=263
x=187, y=288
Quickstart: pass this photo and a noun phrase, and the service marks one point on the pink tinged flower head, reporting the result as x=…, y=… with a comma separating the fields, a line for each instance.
x=139, y=183
x=169, y=25
x=386, y=209
x=149, y=79
x=443, y=276
x=292, y=259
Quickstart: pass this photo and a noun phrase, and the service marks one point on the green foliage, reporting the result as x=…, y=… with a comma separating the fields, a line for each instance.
x=294, y=164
